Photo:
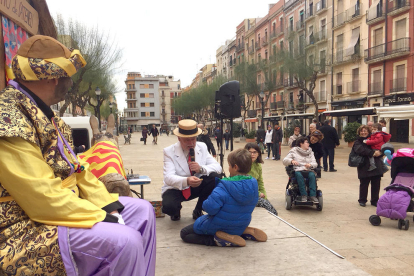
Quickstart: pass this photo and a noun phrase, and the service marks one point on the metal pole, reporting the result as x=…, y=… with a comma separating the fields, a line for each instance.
x=262, y=111
x=99, y=112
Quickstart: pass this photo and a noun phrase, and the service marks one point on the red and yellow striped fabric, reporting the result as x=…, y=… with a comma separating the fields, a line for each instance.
x=104, y=158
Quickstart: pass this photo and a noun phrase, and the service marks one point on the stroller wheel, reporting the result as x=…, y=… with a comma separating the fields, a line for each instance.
x=288, y=202
x=400, y=223
x=375, y=220
x=406, y=224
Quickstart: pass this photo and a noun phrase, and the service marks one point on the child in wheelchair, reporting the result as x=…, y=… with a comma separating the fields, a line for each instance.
x=301, y=165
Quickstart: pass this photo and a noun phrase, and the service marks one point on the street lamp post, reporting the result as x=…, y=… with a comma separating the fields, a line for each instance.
x=98, y=105
x=262, y=95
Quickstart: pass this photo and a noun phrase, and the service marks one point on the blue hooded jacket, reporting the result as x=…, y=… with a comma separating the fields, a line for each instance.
x=229, y=206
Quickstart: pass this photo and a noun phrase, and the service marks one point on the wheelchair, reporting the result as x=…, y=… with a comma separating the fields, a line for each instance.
x=292, y=191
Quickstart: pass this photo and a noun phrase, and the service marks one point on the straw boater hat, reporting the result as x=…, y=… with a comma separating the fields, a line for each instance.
x=187, y=128
x=43, y=57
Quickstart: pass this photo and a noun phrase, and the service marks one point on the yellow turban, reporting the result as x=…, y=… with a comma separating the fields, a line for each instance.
x=43, y=57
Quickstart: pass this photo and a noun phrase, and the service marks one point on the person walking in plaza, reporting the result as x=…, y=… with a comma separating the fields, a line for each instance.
x=365, y=175
x=330, y=142
x=277, y=141
x=227, y=138
x=260, y=138
x=145, y=134
x=154, y=132
x=203, y=137
x=185, y=179
x=56, y=217
x=268, y=140
x=303, y=161
x=296, y=135
x=256, y=172
x=229, y=208
x=219, y=138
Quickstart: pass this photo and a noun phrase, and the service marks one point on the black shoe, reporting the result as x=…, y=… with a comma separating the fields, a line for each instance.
x=362, y=204
x=197, y=213
x=333, y=170
x=374, y=204
x=325, y=170
x=175, y=218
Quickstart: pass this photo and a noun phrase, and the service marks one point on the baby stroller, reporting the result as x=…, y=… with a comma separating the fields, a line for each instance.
x=292, y=191
x=397, y=201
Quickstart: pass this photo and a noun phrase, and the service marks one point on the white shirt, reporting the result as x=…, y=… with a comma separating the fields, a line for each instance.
x=269, y=135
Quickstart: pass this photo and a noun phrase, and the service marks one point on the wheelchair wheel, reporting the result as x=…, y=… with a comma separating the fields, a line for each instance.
x=320, y=204
x=400, y=223
x=375, y=220
x=288, y=202
x=406, y=224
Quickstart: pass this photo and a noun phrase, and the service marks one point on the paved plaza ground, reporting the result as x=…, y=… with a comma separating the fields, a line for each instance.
x=342, y=226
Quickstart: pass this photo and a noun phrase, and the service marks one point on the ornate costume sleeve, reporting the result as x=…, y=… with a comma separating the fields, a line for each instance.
x=33, y=185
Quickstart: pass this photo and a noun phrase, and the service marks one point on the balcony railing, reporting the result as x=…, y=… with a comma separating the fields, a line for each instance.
x=397, y=6
x=230, y=63
x=340, y=57
x=265, y=41
x=398, y=85
x=375, y=88
x=310, y=13
x=251, y=49
x=252, y=113
x=375, y=14
x=276, y=33
x=320, y=6
x=353, y=86
x=321, y=35
x=280, y=104
x=300, y=25
x=240, y=47
x=258, y=45
x=289, y=82
x=347, y=16
x=320, y=96
x=290, y=106
x=394, y=48
x=273, y=106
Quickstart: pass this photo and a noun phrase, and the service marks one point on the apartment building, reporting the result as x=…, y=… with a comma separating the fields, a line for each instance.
x=149, y=100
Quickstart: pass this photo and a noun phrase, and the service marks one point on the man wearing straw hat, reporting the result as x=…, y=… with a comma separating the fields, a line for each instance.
x=56, y=217
x=185, y=179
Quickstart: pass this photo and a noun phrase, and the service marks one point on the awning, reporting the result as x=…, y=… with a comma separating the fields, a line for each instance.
x=354, y=39
x=396, y=111
x=351, y=102
x=272, y=118
x=251, y=120
x=372, y=11
x=300, y=116
x=350, y=112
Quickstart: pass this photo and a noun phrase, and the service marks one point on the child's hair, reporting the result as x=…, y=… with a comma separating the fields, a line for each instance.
x=377, y=126
x=255, y=147
x=241, y=158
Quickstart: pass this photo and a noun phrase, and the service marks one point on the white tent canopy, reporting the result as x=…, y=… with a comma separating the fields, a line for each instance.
x=397, y=111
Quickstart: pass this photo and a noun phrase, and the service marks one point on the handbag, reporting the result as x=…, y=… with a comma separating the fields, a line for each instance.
x=354, y=159
x=141, y=139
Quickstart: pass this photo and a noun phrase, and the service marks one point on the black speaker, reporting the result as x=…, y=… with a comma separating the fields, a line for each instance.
x=227, y=101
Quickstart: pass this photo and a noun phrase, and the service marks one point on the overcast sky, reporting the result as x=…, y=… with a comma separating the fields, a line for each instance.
x=163, y=37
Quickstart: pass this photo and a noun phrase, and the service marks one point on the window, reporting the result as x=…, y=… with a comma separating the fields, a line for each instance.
x=142, y=114
x=142, y=86
x=142, y=95
x=142, y=104
x=291, y=24
x=339, y=83
x=133, y=86
x=322, y=56
x=151, y=95
x=152, y=104
x=151, y=86
x=162, y=93
x=355, y=80
x=322, y=90
x=152, y=114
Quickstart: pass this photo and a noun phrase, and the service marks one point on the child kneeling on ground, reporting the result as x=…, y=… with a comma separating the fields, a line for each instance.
x=229, y=208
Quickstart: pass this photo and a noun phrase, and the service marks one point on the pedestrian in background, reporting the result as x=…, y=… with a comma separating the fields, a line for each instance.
x=296, y=135
x=329, y=143
x=145, y=134
x=277, y=141
x=227, y=138
x=260, y=138
x=203, y=137
x=268, y=140
x=154, y=132
x=219, y=138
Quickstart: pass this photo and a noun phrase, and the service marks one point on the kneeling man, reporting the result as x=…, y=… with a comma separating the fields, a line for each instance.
x=185, y=179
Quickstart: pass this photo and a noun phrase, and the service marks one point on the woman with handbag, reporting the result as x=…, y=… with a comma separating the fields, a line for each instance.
x=144, y=135
x=365, y=176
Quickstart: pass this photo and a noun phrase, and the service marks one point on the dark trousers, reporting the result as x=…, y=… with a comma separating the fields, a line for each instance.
x=188, y=235
x=269, y=149
x=145, y=141
x=227, y=144
x=375, y=188
x=172, y=198
x=276, y=151
x=331, y=153
x=219, y=144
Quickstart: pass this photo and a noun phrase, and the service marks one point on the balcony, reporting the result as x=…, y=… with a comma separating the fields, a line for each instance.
x=289, y=3
x=273, y=106
x=231, y=63
x=320, y=96
x=258, y=45
x=265, y=41
x=290, y=106
x=321, y=7
x=321, y=36
x=277, y=32
x=131, y=99
x=278, y=83
x=299, y=105
x=310, y=14
x=251, y=50
x=338, y=90
x=252, y=113
x=398, y=6
x=280, y=104
x=289, y=82
x=340, y=57
x=289, y=30
x=347, y=16
x=375, y=15
x=398, y=85
x=395, y=48
x=353, y=87
x=375, y=88
x=130, y=89
x=240, y=47
x=300, y=25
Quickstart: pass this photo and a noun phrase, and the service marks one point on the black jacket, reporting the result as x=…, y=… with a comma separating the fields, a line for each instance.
x=154, y=132
x=317, y=149
x=226, y=136
x=277, y=136
x=330, y=135
x=206, y=140
x=364, y=150
x=260, y=135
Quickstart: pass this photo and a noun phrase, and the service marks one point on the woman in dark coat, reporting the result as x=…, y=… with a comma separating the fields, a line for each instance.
x=145, y=135
x=315, y=144
x=365, y=176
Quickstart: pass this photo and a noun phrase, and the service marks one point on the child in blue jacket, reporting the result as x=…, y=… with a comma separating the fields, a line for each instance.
x=229, y=208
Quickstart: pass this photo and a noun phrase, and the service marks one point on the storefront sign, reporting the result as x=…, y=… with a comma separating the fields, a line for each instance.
x=21, y=13
x=349, y=103
x=397, y=99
